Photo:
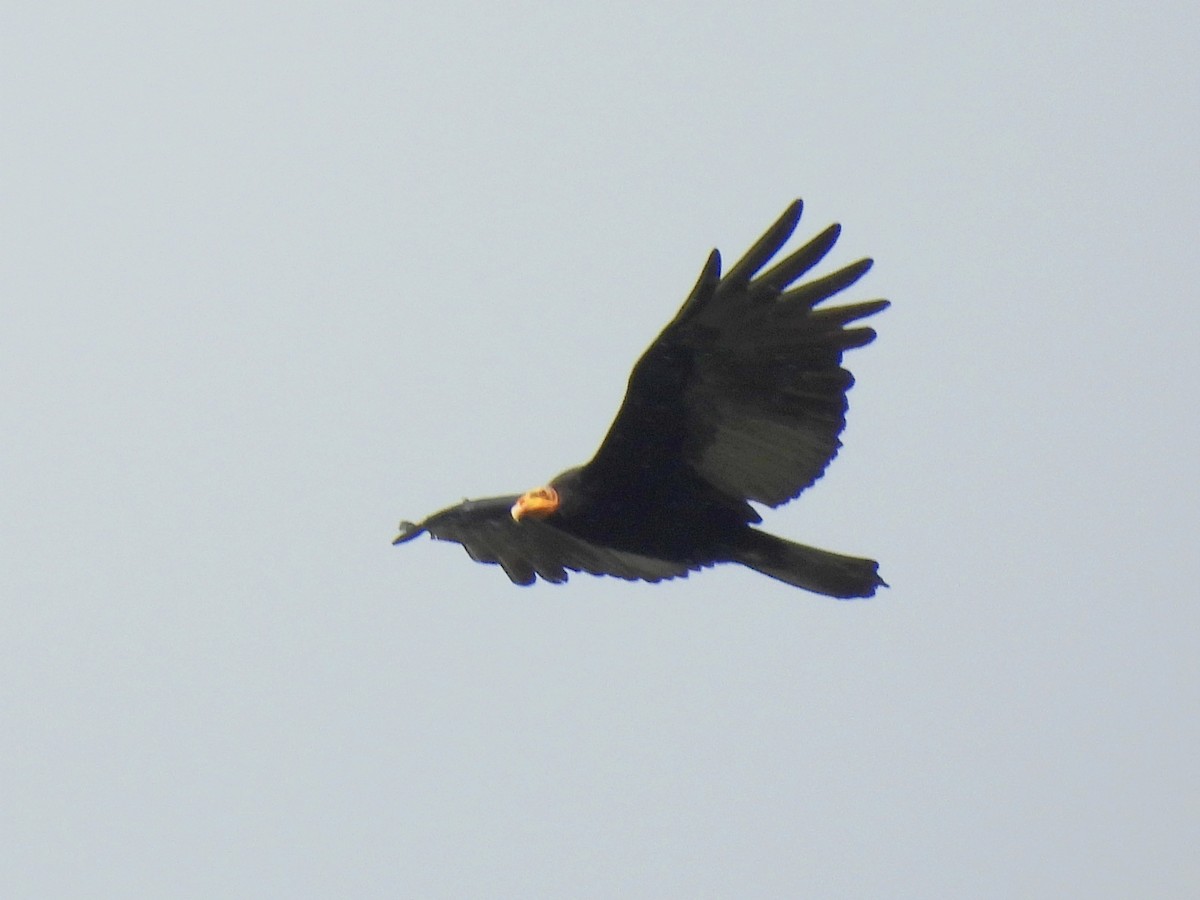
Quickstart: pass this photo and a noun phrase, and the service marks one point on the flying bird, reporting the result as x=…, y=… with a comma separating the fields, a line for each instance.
x=740, y=399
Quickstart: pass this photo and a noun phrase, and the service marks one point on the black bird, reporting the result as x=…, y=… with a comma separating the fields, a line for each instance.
x=740, y=398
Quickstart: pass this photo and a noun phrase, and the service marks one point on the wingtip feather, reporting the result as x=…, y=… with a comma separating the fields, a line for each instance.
x=710, y=276
x=764, y=248
x=408, y=531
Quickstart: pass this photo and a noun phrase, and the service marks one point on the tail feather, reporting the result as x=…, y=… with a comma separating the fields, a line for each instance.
x=814, y=570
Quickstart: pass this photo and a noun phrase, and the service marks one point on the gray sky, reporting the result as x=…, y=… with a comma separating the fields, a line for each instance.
x=275, y=278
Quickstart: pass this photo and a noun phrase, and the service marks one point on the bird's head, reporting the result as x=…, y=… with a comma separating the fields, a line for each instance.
x=536, y=504
x=562, y=494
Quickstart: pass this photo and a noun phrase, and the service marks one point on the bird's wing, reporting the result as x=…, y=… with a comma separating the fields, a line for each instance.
x=530, y=548
x=745, y=385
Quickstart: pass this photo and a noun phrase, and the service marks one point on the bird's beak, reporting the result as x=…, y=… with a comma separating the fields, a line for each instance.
x=535, y=504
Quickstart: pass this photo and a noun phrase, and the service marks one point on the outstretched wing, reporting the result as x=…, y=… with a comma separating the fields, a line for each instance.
x=745, y=385
x=530, y=548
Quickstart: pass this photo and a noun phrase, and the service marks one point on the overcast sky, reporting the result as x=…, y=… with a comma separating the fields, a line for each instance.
x=276, y=277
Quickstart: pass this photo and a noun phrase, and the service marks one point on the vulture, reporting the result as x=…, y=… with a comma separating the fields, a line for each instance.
x=740, y=400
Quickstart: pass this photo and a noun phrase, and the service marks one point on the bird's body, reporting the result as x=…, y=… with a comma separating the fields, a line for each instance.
x=673, y=516
x=741, y=398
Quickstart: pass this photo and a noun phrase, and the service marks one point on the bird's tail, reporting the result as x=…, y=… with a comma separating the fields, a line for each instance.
x=814, y=570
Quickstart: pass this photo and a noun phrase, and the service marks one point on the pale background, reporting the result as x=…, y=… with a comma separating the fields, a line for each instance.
x=276, y=276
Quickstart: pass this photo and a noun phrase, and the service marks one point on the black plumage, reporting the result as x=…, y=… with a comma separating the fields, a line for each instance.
x=741, y=398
